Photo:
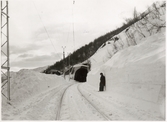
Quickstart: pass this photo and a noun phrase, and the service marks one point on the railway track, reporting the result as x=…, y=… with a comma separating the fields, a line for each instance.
x=97, y=109
x=60, y=104
x=82, y=95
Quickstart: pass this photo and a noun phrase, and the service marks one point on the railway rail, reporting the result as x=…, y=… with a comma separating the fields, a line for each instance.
x=82, y=95
x=61, y=101
x=97, y=109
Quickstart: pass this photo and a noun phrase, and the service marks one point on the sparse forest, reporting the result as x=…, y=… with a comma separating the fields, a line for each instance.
x=85, y=52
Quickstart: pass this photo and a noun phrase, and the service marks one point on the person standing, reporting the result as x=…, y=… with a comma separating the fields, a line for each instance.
x=102, y=82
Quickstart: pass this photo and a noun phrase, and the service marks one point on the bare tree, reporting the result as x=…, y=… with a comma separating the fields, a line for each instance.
x=110, y=55
x=157, y=24
x=138, y=29
x=120, y=41
x=131, y=38
x=135, y=14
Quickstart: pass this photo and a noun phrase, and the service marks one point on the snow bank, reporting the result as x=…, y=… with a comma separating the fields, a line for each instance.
x=135, y=74
x=27, y=83
x=40, y=69
x=153, y=23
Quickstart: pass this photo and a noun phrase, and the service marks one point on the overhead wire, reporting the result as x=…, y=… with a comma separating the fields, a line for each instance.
x=68, y=34
x=45, y=28
x=73, y=25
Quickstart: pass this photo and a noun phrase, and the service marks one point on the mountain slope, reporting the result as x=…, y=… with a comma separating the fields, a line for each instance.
x=134, y=67
x=135, y=73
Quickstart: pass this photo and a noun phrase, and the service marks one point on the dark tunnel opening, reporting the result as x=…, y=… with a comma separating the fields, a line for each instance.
x=81, y=75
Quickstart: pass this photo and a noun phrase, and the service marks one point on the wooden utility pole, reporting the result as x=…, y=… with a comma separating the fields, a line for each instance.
x=5, y=66
x=69, y=59
x=64, y=56
x=63, y=52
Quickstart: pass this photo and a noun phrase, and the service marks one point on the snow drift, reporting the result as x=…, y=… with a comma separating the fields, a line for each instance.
x=27, y=83
x=135, y=73
x=134, y=67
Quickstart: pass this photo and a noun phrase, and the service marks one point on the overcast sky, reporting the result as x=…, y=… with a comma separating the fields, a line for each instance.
x=39, y=28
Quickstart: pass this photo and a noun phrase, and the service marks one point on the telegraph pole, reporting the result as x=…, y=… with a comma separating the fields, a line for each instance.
x=5, y=67
x=69, y=59
x=63, y=52
x=64, y=56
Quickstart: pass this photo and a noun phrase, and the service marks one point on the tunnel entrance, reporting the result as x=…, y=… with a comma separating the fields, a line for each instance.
x=81, y=74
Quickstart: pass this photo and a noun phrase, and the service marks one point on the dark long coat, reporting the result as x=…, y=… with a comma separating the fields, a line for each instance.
x=102, y=80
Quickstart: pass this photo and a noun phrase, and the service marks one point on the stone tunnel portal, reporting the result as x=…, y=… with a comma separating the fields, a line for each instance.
x=81, y=74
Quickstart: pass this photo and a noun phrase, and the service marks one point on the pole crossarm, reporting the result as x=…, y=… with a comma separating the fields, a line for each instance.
x=3, y=67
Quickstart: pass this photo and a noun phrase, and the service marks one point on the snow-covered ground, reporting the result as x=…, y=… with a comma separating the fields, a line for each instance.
x=135, y=77
x=135, y=72
x=135, y=83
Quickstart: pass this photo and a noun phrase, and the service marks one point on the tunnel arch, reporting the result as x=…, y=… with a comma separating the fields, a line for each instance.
x=81, y=74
